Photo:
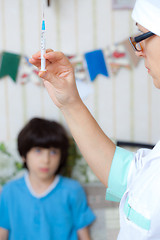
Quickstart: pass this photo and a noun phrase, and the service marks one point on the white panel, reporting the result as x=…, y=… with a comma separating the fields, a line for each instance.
x=85, y=25
x=89, y=102
x=104, y=24
x=105, y=105
x=1, y=27
x=123, y=105
x=102, y=28
x=67, y=26
x=32, y=26
x=3, y=124
x=85, y=39
x=50, y=16
x=34, y=103
x=50, y=109
x=15, y=108
x=140, y=103
x=12, y=26
x=155, y=113
x=121, y=31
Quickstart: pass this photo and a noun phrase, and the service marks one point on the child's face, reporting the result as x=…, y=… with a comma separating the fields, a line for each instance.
x=42, y=163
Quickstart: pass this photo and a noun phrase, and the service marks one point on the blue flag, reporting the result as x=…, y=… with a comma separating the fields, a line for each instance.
x=96, y=64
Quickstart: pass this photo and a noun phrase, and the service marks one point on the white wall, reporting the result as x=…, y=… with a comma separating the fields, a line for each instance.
x=125, y=106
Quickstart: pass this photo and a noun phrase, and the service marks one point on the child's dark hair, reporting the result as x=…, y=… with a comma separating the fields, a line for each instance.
x=43, y=133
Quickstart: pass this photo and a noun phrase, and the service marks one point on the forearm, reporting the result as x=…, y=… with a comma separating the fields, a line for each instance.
x=3, y=234
x=97, y=149
x=83, y=234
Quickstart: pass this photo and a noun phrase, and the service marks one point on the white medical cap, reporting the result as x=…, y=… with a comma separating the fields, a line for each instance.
x=147, y=14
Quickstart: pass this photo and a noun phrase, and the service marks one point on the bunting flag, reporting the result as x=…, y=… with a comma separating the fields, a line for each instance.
x=9, y=65
x=118, y=56
x=28, y=73
x=96, y=64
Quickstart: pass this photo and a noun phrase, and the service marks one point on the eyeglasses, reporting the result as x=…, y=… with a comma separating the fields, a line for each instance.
x=135, y=41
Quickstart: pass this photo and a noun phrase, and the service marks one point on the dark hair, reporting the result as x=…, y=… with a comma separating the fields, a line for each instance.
x=43, y=133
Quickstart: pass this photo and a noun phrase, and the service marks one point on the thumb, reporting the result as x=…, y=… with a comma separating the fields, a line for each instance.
x=46, y=75
x=42, y=74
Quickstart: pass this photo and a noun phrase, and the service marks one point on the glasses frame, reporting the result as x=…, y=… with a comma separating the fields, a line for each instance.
x=137, y=39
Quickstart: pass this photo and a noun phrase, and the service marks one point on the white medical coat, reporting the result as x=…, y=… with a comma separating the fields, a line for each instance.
x=134, y=180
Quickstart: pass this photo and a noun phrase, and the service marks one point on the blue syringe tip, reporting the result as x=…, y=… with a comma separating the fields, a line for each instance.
x=43, y=24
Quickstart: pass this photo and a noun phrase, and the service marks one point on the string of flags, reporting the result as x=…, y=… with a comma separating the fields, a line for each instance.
x=18, y=68
x=105, y=62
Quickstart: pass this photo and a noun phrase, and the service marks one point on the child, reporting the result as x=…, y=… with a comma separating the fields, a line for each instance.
x=132, y=179
x=43, y=205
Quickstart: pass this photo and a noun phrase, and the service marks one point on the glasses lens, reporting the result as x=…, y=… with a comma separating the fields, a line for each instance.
x=138, y=47
x=133, y=43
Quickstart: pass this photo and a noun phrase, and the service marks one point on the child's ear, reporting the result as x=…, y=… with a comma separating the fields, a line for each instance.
x=23, y=159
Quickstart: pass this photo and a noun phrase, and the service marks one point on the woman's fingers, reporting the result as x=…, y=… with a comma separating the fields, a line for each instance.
x=37, y=62
x=36, y=58
x=42, y=74
x=38, y=54
x=54, y=56
x=56, y=63
x=50, y=56
x=49, y=50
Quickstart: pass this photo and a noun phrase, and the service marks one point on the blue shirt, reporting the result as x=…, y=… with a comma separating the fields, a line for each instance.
x=56, y=216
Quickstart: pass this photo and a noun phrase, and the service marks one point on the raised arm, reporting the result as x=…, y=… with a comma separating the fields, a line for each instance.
x=97, y=149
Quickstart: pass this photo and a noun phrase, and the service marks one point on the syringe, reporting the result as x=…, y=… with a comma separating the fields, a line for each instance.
x=43, y=46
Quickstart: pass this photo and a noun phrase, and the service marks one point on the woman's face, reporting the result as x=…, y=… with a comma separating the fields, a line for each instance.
x=151, y=55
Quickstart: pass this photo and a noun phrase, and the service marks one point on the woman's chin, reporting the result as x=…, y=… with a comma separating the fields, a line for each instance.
x=156, y=82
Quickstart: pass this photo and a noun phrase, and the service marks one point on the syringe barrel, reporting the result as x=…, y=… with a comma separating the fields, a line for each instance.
x=43, y=40
x=43, y=61
x=43, y=51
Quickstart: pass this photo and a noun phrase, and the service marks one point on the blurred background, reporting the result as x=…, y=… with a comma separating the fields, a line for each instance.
x=123, y=100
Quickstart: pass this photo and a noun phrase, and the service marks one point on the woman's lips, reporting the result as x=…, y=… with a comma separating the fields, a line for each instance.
x=148, y=69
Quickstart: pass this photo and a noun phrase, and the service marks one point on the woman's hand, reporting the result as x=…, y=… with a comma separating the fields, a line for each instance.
x=58, y=78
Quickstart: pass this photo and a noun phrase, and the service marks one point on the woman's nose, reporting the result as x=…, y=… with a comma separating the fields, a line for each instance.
x=140, y=53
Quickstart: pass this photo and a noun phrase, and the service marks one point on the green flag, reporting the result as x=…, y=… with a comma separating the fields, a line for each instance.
x=9, y=65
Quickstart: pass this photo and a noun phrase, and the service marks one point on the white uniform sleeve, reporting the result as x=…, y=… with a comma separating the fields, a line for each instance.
x=124, y=167
x=117, y=182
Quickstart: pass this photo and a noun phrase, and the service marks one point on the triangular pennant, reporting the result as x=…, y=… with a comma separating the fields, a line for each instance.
x=96, y=64
x=9, y=65
x=117, y=57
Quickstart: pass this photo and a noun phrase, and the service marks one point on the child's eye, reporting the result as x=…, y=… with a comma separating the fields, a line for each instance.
x=38, y=150
x=53, y=152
